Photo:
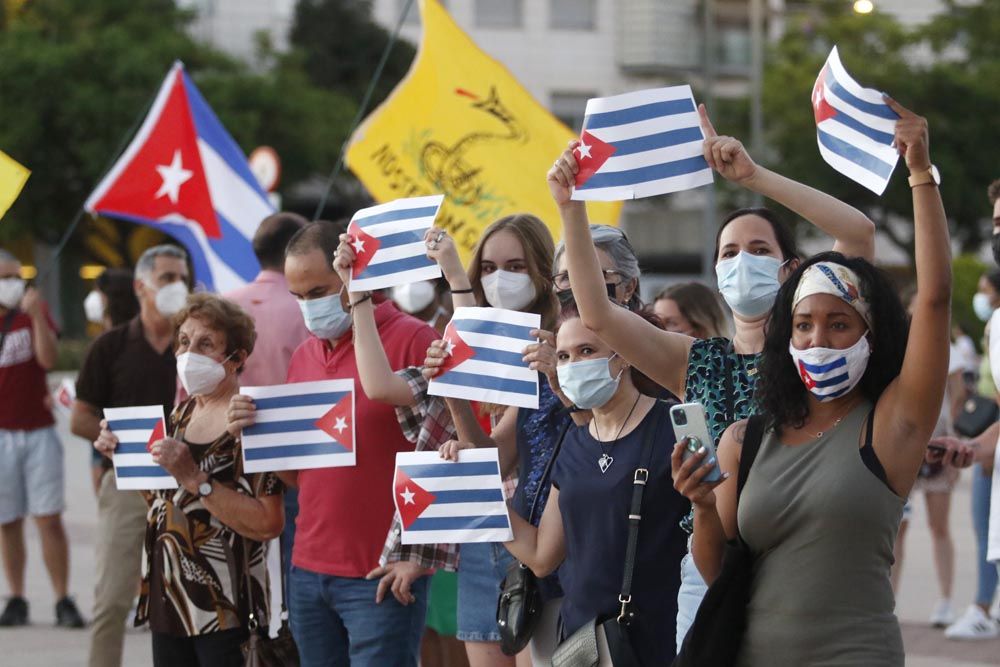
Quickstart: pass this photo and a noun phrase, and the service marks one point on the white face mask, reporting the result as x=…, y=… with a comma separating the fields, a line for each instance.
x=414, y=297
x=506, y=289
x=170, y=298
x=199, y=374
x=93, y=306
x=982, y=307
x=11, y=292
x=829, y=373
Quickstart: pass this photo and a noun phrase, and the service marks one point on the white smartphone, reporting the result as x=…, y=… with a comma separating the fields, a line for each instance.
x=689, y=422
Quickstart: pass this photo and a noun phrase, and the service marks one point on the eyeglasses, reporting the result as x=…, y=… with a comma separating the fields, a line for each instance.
x=611, y=277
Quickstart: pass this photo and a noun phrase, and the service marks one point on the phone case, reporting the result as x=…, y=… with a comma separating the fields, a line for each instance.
x=692, y=425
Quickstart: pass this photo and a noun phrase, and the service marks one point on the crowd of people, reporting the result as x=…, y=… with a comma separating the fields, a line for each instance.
x=821, y=398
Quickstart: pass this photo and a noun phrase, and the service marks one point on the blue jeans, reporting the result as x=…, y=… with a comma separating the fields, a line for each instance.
x=986, y=585
x=336, y=622
x=291, y=501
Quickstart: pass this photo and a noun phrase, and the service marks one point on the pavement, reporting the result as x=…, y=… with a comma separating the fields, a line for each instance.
x=42, y=645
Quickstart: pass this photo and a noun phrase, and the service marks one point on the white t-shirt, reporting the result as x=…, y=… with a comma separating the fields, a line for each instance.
x=993, y=544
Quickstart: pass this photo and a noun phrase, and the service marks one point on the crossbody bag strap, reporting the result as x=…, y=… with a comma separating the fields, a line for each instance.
x=751, y=445
x=548, y=468
x=639, y=481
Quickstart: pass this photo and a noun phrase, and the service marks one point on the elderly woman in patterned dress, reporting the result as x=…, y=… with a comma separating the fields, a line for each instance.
x=206, y=541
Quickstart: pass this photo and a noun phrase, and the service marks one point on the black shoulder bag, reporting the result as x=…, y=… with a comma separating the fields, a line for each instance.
x=260, y=650
x=716, y=635
x=519, y=605
x=580, y=648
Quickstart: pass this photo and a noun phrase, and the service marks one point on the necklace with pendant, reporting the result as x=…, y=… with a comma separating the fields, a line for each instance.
x=606, y=459
x=819, y=434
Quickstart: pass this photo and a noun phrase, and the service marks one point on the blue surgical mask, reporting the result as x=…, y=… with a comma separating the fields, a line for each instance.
x=325, y=317
x=749, y=283
x=589, y=383
x=982, y=307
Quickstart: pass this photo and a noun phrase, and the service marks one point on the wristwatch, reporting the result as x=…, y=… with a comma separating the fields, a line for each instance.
x=925, y=177
x=205, y=488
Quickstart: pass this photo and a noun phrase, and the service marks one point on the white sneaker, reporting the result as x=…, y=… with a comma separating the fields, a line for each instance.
x=943, y=615
x=973, y=624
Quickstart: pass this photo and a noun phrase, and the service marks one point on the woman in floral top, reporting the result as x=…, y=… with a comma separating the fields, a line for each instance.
x=206, y=540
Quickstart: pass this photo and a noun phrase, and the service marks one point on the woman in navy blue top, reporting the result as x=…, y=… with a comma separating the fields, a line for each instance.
x=584, y=526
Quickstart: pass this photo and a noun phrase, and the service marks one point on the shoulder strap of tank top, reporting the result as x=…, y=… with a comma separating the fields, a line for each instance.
x=751, y=445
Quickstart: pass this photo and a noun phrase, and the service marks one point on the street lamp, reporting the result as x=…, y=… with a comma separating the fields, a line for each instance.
x=863, y=6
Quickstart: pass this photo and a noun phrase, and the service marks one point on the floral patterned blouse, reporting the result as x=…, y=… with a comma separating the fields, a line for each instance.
x=193, y=576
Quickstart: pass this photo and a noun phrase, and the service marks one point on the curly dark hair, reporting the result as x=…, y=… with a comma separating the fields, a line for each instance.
x=780, y=394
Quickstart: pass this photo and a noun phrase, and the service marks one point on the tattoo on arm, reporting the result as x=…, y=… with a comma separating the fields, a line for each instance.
x=740, y=432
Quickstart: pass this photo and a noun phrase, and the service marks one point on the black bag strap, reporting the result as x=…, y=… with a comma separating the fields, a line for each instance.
x=639, y=480
x=8, y=323
x=751, y=445
x=548, y=468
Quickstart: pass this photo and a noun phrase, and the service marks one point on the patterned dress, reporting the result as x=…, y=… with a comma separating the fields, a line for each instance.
x=193, y=576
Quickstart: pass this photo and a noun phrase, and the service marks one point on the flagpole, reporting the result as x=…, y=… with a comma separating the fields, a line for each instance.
x=338, y=167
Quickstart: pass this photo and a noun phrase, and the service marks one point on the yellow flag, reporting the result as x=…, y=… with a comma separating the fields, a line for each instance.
x=12, y=178
x=460, y=124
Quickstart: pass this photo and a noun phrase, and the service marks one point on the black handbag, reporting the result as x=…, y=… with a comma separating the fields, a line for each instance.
x=581, y=648
x=260, y=650
x=717, y=633
x=519, y=605
x=978, y=414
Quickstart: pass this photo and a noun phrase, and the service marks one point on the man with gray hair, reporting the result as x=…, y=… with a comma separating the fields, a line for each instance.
x=31, y=471
x=129, y=365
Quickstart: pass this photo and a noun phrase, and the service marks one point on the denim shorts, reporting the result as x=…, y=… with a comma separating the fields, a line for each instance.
x=481, y=570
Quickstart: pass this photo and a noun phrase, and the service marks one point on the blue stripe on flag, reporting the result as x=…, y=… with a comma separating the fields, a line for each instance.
x=825, y=368
x=235, y=250
x=133, y=424
x=849, y=152
x=396, y=266
x=468, y=496
x=401, y=238
x=830, y=382
x=288, y=426
x=489, y=382
x=458, y=469
x=685, y=135
x=880, y=110
x=495, y=328
x=870, y=132
x=132, y=448
x=299, y=400
x=498, y=356
x=141, y=471
x=645, y=174
x=637, y=113
x=459, y=523
x=399, y=214
x=283, y=451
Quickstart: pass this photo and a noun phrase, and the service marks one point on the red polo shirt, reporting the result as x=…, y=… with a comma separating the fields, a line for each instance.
x=345, y=513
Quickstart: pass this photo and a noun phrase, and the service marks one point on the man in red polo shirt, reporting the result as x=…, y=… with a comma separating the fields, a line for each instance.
x=345, y=513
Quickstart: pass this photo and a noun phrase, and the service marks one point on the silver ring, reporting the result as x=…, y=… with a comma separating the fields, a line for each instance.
x=432, y=245
x=440, y=236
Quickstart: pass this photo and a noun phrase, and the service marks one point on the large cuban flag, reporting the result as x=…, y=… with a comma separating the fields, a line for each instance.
x=184, y=175
x=447, y=502
x=301, y=425
x=389, y=245
x=485, y=348
x=854, y=127
x=640, y=144
x=137, y=428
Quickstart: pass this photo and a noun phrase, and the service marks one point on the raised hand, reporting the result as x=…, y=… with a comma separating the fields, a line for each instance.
x=343, y=262
x=541, y=356
x=562, y=175
x=436, y=357
x=912, y=137
x=725, y=155
x=441, y=248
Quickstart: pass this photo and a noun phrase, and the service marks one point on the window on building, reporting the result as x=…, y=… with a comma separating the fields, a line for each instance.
x=499, y=13
x=733, y=46
x=569, y=108
x=573, y=14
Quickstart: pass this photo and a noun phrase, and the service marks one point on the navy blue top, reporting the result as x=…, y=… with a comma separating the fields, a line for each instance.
x=537, y=432
x=595, y=508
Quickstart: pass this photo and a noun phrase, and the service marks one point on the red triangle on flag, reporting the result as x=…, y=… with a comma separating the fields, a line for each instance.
x=365, y=246
x=591, y=155
x=164, y=176
x=806, y=378
x=338, y=422
x=411, y=498
x=159, y=432
x=821, y=108
x=458, y=350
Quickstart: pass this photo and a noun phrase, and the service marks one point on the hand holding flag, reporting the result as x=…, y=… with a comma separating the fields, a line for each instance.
x=129, y=435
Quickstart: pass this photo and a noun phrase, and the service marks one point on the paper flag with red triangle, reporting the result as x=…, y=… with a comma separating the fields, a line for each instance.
x=137, y=428
x=157, y=434
x=458, y=350
x=365, y=246
x=338, y=423
x=590, y=155
x=411, y=498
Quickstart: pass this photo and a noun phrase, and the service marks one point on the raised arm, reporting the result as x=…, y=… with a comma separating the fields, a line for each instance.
x=909, y=407
x=441, y=248
x=853, y=232
x=542, y=549
x=661, y=355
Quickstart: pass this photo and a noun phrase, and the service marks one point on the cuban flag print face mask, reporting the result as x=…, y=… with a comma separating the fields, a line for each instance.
x=829, y=373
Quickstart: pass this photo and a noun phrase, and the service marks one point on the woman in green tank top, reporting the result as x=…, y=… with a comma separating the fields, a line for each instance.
x=850, y=397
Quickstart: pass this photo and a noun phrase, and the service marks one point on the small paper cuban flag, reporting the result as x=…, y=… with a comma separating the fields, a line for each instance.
x=389, y=245
x=137, y=429
x=640, y=144
x=854, y=127
x=300, y=425
x=485, y=348
x=448, y=502
x=64, y=395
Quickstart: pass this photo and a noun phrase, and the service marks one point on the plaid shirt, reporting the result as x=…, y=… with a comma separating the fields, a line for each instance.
x=427, y=424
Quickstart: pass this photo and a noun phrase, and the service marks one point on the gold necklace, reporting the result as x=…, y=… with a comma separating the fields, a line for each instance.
x=819, y=434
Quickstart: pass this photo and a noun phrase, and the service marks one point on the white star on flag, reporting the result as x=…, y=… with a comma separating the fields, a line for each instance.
x=408, y=496
x=359, y=246
x=174, y=176
x=341, y=424
x=584, y=150
x=449, y=348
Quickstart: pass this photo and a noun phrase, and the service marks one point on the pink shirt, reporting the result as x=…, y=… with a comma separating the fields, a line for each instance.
x=280, y=328
x=344, y=513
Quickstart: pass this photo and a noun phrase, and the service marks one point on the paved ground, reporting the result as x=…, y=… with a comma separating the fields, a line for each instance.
x=43, y=646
